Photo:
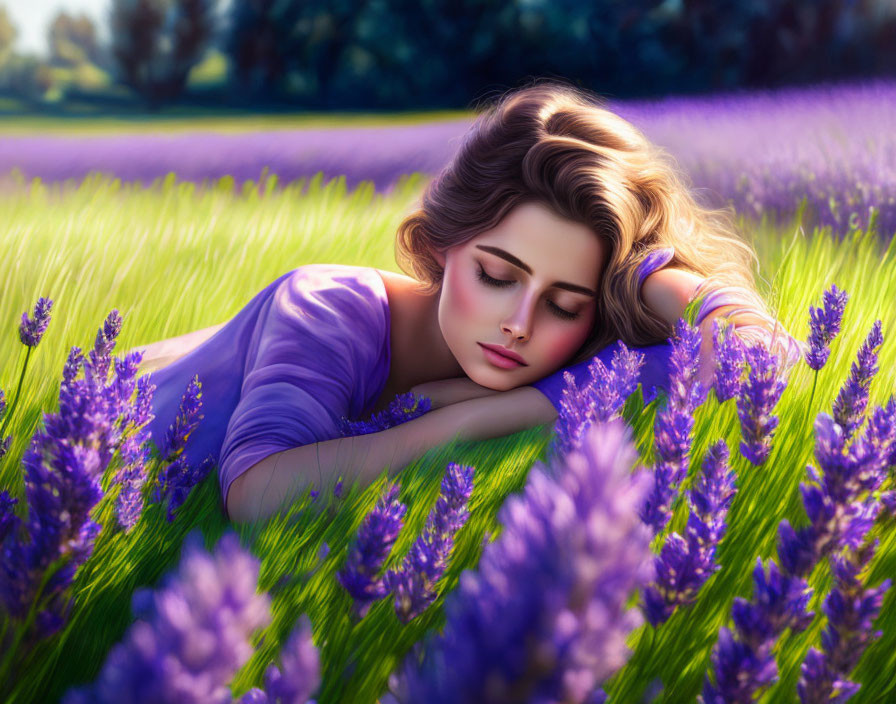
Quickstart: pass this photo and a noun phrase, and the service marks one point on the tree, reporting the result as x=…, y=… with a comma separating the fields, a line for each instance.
x=259, y=46
x=8, y=35
x=72, y=40
x=155, y=43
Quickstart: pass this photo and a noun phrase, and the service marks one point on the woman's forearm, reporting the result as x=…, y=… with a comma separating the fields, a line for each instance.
x=274, y=483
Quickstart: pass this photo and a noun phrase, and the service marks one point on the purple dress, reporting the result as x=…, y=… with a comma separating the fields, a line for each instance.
x=309, y=348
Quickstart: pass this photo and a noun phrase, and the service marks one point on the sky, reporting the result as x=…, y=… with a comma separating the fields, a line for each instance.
x=32, y=18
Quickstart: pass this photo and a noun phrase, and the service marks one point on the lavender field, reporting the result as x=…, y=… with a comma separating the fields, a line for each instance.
x=834, y=145
x=727, y=544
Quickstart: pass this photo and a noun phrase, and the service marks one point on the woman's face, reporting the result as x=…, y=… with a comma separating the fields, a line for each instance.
x=536, y=257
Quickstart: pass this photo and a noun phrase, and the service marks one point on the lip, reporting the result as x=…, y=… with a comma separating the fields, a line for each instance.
x=504, y=352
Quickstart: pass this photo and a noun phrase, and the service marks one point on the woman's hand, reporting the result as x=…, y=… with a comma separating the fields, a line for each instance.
x=445, y=392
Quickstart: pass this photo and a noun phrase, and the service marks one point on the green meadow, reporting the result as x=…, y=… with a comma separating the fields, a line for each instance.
x=173, y=258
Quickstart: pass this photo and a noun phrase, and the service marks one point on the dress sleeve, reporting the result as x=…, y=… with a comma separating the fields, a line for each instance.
x=317, y=355
x=772, y=334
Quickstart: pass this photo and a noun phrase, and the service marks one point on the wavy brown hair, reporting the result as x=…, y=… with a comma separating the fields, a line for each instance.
x=556, y=144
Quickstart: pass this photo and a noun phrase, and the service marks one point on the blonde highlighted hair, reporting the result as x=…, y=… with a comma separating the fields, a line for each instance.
x=556, y=144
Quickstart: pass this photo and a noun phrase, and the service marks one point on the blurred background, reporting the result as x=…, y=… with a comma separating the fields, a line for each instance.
x=89, y=56
x=779, y=107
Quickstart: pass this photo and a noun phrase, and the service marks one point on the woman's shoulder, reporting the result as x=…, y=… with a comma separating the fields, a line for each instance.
x=388, y=286
x=322, y=295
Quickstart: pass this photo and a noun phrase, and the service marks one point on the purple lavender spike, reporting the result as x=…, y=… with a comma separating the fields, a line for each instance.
x=600, y=399
x=372, y=546
x=191, y=636
x=413, y=584
x=673, y=426
x=63, y=466
x=299, y=677
x=686, y=563
x=850, y=610
x=178, y=477
x=73, y=364
x=403, y=407
x=32, y=330
x=30, y=333
x=851, y=401
x=576, y=408
x=186, y=421
x=745, y=666
x=759, y=394
x=730, y=361
x=99, y=359
x=824, y=324
x=514, y=629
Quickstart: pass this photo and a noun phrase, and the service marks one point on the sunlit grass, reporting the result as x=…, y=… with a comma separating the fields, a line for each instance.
x=173, y=260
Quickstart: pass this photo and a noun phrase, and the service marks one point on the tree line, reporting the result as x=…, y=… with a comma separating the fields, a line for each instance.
x=404, y=54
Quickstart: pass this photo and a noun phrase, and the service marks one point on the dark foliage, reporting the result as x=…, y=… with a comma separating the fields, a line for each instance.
x=367, y=54
x=155, y=43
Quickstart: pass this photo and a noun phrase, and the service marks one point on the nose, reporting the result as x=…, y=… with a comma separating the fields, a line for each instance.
x=519, y=323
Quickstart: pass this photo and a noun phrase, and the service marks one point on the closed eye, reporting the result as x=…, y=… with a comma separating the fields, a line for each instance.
x=502, y=283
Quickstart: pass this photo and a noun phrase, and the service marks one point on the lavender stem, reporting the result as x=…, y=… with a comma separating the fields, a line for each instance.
x=15, y=400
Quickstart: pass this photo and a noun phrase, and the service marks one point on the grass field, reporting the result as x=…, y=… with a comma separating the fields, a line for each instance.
x=173, y=260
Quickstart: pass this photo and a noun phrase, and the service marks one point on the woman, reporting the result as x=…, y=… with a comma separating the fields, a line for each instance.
x=556, y=230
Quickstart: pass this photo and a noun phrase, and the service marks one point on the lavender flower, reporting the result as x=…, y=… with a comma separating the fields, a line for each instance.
x=404, y=407
x=179, y=477
x=837, y=520
x=685, y=563
x=599, y=400
x=824, y=324
x=746, y=666
x=185, y=422
x=576, y=410
x=191, y=636
x=31, y=331
x=99, y=358
x=300, y=675
x=729, y=355
x=413, y=584
x=544, y=618
x=850, y=610
x=755, y=402
x=849, y=406
x=674, y=423
x=134, y=451
x=63, y=466
x=374, y=541
x=73, y=365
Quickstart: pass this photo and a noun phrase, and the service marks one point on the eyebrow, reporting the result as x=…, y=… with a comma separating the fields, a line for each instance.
x=525, y=267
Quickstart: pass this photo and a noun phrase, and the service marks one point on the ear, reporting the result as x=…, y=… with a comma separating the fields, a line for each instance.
x=439, y=257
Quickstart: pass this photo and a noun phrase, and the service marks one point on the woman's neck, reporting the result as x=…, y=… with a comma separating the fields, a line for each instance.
x=419, y=351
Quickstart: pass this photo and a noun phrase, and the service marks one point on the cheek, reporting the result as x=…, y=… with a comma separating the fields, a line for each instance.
x=464, y=301
x=565, y=340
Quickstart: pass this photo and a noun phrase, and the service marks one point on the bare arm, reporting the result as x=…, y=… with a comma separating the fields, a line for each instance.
x=273, y=484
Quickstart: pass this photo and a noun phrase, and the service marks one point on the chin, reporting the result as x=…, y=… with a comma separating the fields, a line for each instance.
x=498, y=383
